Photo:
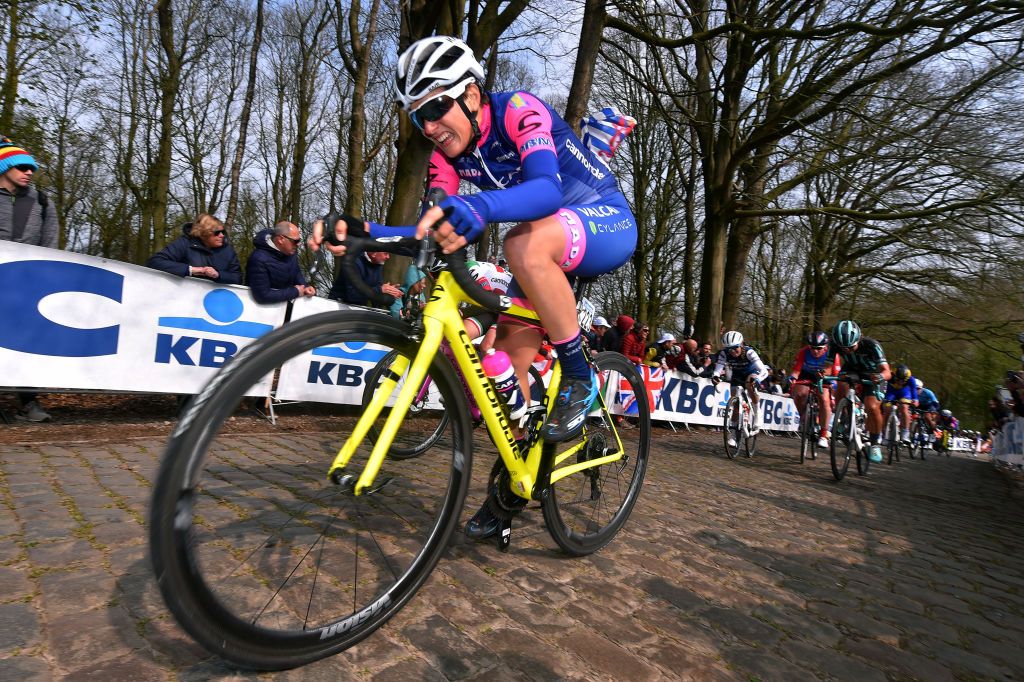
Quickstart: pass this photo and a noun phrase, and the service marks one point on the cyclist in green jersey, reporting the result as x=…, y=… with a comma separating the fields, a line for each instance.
x=863, y=360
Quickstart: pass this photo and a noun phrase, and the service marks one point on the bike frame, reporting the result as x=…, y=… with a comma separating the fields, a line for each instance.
x=529, y=474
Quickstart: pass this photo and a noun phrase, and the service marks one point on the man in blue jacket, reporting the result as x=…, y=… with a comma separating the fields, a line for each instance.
x=370, y=267
x=272, y=272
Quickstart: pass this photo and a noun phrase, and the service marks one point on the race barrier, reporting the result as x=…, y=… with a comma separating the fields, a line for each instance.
x=74, y=322
x=1008, y=444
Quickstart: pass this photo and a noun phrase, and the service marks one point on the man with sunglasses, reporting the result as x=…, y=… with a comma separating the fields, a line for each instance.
x=813, y=360
x=863, y=360
x=273, y=272
x=25, y=217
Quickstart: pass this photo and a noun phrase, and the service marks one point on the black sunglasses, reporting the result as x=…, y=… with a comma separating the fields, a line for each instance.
x=292, y=240
x=217, y=233
x=818, y=347
x=25, y=167
x=434, y=110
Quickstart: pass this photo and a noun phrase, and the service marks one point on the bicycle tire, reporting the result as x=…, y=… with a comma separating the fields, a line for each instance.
x=228, y=520
x=805, y=428
x=750, y=442
x=731, y=415
x=585, y=510
x=842, y=443
x=915, y=439
x=408, y=442
x=892, y=433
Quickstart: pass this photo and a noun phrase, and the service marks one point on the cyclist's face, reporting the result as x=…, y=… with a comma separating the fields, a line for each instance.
x=818, y=351
x=735, y=351
x=452, y=132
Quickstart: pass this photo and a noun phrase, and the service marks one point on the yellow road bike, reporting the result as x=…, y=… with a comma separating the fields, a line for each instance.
x=276, y=551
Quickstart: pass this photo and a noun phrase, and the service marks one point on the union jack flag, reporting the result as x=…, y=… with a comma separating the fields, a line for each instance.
x=654, y=382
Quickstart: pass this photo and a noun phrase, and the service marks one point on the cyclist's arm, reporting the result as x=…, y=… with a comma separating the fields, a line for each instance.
x=758, y=370
x=798, y=363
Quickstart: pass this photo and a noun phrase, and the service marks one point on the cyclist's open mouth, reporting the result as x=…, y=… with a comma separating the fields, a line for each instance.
x=444, y=139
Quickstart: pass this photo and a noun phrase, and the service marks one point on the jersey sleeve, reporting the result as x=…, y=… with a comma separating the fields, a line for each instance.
x=757, y=368
x=441, y=173
x=528, y=125
x=798, y=362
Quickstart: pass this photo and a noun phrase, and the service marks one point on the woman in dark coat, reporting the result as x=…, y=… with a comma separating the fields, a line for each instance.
x=201, y=251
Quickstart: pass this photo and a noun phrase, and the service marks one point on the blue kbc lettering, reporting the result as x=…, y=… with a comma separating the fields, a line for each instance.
x=334, y=374
x=224, y=307
x=23, y=284
x=691, y=398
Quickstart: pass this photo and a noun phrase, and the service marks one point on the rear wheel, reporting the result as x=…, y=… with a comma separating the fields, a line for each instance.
x=842, y=444
x=260, y=557
x=584, y=510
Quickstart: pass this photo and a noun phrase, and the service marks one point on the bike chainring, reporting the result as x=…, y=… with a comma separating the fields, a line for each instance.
x=502, y=502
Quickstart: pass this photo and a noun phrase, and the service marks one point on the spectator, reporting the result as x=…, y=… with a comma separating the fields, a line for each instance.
x=202, y=250
x=595, y=337
x=27, y=218
x=1015, y=384
x=412, y=298
x=692, y=361
x=370, y=267
x=666, y=352
x=612, y=339
x=272, y=272
x=634, y=344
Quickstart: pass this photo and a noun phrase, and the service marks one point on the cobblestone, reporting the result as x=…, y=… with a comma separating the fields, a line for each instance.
x=749, y=569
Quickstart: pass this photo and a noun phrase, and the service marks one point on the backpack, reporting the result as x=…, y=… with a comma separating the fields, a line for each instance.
x=44, y=201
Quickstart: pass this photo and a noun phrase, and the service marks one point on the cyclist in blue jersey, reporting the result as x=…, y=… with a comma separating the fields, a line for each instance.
x=570, y=217
x=863, y=360
x=928, y=404
x=742, y=366
x=901, y=393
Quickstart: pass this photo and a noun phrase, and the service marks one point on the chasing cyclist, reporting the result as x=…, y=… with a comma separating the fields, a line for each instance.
x=571, y=218
x=813, y=361
x=744, y=367
x=928, y=406
x=902, y=392
x=863, y=360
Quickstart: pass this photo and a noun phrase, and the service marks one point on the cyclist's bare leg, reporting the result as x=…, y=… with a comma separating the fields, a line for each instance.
x=799, y=395
x=873, y=408
x=904, y=415
x=534, y=250
x=825, y=411
x=754, y=399
x=521, y=343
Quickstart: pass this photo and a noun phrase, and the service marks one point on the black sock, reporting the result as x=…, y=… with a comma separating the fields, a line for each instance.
x=570, y=356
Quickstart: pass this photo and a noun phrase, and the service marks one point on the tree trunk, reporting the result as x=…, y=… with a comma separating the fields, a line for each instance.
x=361, y=52
x=243, y=118
x=9, y=92
x=594, y=14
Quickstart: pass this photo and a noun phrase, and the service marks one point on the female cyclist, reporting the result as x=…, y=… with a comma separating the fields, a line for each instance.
x=570, y=217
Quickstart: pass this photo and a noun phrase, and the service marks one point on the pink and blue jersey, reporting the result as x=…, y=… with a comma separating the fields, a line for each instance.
x=542, y=169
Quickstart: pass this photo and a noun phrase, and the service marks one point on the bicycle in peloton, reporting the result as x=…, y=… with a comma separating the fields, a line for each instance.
x=810, y=430
x=849, y=434
x=891, y=432
x=738, y=423
x=273, y=553
x=918, y=433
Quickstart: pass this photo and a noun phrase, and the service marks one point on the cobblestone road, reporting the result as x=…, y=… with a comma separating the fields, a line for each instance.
x=749, y=569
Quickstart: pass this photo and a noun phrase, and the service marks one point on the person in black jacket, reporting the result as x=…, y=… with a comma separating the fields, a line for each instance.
x=272, y=272
x=201, y=251
x=371, y=270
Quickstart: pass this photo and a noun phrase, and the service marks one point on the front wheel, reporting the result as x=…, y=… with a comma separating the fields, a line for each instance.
x=809, y=428
x=732, y=423
x=583, y=511
x=260, y=557
x=843, y=441
x=892, y=435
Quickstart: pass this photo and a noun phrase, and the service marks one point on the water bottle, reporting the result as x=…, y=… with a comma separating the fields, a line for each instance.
x=498, y=366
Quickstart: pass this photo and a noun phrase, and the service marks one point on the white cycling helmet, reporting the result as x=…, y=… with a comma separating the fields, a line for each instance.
x=732, y=339
x=920, y=384
x=433, y=63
